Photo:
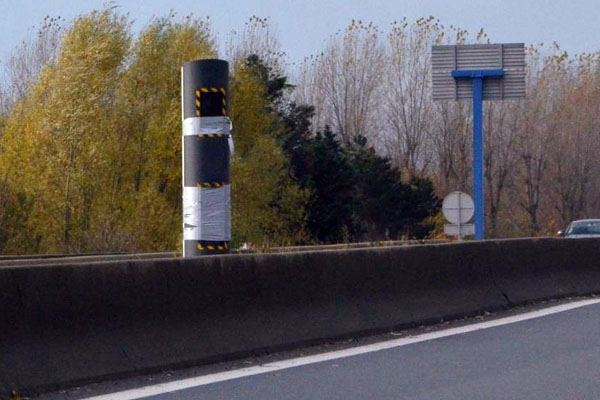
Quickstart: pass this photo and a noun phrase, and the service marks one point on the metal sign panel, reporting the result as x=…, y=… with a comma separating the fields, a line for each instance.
x=508, y=57
x=459, y=230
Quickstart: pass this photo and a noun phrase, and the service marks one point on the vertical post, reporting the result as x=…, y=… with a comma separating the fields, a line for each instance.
x=205, y=157
x=478, y=157
x=459, y=216
x=477, y=77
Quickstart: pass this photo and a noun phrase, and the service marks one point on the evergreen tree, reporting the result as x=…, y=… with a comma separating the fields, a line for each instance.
x=323, y=166
x=387, y=207
x=425, y=206
x=355, y=193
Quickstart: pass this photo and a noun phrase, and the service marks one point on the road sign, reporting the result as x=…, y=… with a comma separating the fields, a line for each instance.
x=508, y=57
x=458, y=208
x=459, y=230
x=458, y=72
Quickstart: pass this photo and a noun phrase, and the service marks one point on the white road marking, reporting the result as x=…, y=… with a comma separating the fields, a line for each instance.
x=157, y=389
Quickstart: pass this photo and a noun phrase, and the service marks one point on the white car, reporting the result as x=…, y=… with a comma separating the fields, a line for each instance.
x=583, y=228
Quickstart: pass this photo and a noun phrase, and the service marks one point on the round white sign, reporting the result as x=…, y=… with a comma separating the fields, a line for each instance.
x=458, y=208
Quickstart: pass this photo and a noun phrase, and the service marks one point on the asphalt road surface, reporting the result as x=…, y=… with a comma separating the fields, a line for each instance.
x=555, y=355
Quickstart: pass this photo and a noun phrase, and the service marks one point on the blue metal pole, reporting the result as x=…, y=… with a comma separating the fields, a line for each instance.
x=478, y=157
x=477, y=76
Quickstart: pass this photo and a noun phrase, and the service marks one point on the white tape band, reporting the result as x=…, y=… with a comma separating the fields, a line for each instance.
x=207, y=213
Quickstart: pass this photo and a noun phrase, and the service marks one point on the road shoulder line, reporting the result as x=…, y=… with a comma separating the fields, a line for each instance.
x=187, y=383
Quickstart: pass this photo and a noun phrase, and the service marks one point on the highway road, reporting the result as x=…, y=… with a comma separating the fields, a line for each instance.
x=551, y=353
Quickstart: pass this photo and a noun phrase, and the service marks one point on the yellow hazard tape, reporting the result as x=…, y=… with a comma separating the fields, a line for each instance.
x=212, y=247
x=208, y=90
x=198, y=104
x=210, y=184
x=212, y=135
x=213, y=89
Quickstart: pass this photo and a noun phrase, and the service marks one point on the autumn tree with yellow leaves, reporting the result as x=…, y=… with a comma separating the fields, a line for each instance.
x=91, y=153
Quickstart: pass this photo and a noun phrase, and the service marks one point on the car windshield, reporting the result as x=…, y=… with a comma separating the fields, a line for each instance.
x=584, y=228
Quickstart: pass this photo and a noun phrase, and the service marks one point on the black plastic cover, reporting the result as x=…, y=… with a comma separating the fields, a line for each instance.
x=206, y=160
x=205, y=74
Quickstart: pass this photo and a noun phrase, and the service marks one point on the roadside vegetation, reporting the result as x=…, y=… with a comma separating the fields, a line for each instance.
x=346, y=147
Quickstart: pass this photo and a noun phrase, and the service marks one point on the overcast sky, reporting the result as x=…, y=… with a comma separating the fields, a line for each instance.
x=303, y=26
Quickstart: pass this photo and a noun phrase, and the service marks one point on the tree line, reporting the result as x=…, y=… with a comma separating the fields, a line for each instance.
x=90, y=146
x=346, y=146
x=541, y=153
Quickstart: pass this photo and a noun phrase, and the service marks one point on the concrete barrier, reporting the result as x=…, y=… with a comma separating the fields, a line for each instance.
x=62, y=325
